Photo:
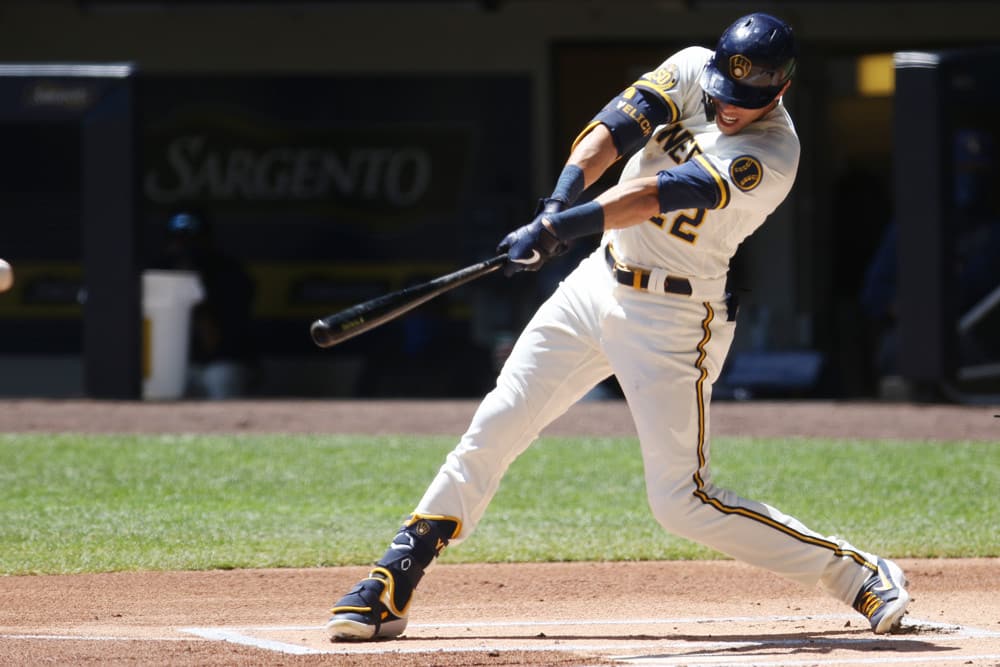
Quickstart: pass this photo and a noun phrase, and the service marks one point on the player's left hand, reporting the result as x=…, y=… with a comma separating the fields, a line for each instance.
x=529, y=247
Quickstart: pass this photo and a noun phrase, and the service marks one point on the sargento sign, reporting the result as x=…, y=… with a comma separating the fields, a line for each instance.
x=392, y=168
x=399, y=176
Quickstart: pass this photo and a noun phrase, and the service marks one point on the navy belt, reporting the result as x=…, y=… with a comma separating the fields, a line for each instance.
x=639, y=278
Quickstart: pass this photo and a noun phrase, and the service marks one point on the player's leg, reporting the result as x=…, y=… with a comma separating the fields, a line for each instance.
x=553, y=364
x=667, y=381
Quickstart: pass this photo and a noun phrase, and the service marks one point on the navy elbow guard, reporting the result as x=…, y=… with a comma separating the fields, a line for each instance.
x=632, y=116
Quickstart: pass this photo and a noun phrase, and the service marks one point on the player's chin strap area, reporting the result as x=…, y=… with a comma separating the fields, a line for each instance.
x=660, y=281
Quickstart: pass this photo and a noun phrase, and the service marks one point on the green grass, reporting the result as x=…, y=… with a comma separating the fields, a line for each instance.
x=75, y=503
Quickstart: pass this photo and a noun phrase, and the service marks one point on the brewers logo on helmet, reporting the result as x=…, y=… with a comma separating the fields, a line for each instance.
x=739, y=66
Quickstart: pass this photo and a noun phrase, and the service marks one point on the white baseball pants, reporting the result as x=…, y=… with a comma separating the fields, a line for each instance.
x=666, y=351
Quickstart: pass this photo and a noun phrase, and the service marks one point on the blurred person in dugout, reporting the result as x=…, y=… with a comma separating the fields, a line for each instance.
x=222, y=354
x=973, y=216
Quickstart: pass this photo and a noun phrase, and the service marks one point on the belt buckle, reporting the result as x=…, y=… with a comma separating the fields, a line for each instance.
x=634, y=275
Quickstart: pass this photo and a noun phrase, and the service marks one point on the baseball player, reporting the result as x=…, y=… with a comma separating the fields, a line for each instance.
x=711, y=152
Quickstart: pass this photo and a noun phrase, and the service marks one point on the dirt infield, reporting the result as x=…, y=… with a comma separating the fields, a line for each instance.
x=670, y=613
x=599, y=418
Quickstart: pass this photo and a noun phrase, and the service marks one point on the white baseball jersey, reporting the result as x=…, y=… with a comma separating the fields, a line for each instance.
x=756, y=169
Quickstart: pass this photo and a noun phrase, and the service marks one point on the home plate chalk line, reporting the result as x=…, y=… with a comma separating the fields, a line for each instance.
x=654, y=651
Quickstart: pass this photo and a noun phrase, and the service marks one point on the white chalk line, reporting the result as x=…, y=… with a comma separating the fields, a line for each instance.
x=237, y=637
x=572, y=622
x=246, y=636
x=751, y=661
x=93, y=638
x=949, y=631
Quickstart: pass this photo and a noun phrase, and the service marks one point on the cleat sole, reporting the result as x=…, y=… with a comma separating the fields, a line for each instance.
x=346, y=630
x=342, y=629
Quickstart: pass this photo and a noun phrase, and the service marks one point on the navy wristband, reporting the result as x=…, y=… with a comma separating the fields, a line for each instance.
x=582, y=220
x=570, y=185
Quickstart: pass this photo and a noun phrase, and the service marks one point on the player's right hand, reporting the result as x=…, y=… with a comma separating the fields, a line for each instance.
x=529, y=247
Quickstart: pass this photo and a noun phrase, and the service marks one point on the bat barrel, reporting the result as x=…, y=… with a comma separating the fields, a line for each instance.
x=333, y=329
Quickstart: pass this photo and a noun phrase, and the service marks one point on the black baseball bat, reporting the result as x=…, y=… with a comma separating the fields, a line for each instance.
x=348, y=323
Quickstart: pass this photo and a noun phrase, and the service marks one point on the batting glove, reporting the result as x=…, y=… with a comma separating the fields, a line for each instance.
x=530, y=246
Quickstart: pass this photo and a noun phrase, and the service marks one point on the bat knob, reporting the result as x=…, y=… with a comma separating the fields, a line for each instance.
x=321, y=333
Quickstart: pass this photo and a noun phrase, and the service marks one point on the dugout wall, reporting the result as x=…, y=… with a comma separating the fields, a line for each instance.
x=326, y=189
x=947, y=219
x=95, y=102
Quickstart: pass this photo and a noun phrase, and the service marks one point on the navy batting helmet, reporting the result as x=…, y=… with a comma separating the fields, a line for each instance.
x=753, y=60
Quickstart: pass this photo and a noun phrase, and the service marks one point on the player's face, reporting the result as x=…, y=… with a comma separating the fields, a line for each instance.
x=730, y=119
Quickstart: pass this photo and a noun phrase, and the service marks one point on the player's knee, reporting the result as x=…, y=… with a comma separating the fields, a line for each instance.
x=676, y=513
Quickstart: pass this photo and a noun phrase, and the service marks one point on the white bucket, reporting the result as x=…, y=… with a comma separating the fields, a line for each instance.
x=167, y=299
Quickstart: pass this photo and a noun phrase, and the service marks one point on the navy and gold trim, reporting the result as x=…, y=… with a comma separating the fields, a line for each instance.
x=720, y=182
x=584, y=132
x=633, y=114
x=699, y=483
x=659, y=82
x=416, y=518
x=746, y=172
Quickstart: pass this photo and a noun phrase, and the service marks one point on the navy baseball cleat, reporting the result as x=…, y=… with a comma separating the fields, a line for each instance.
x=883, y=597
x=377, y=607
x=362, y=615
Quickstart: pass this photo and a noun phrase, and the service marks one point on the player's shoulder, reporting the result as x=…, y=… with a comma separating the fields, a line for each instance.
x=765, y=154
x=694, y=53
x=676, y=79
x=778, y=131
x=687, y=62
x=772, y=137
x=690, y=60
x=677, y=76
